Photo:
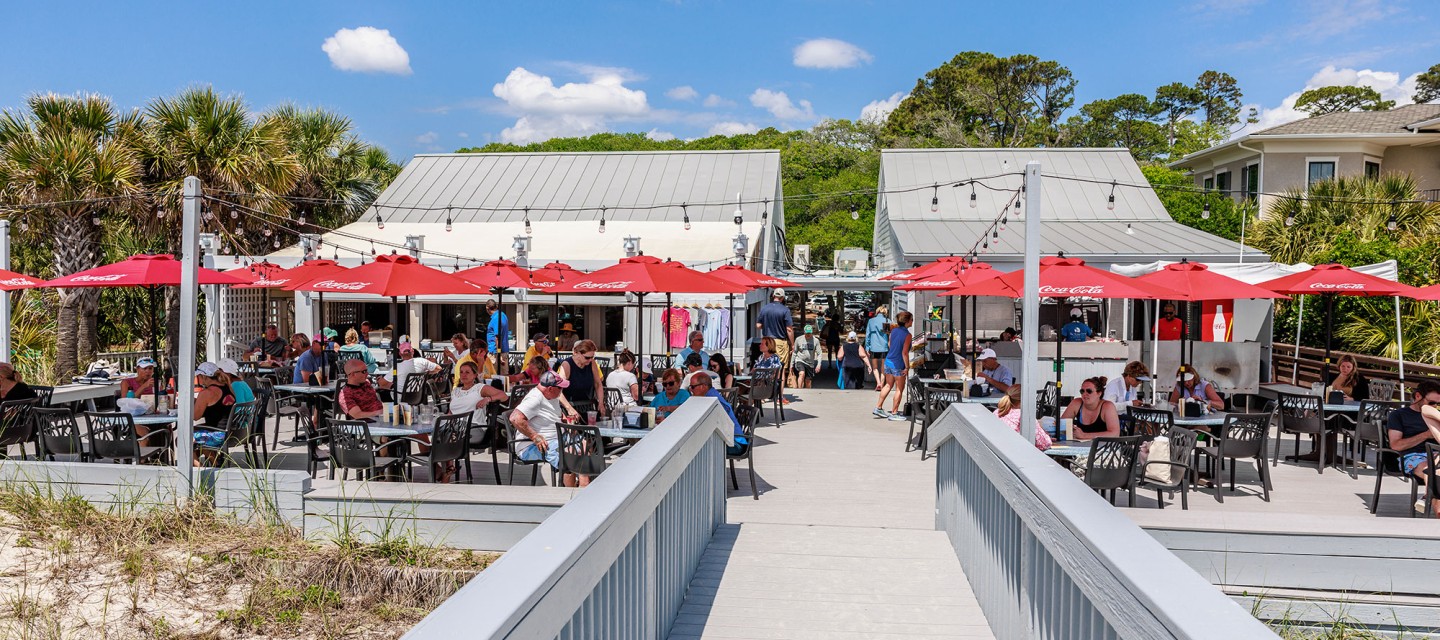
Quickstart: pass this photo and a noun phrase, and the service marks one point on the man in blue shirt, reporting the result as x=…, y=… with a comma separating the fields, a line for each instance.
x=701, y=386
x=877, y=341
x=311, y=362
x=1076, y=330
x=497, y=333
x=697, y=347
x=775, y=321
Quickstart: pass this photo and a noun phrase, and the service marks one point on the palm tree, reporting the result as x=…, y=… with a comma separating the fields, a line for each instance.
x=238, y=158
x=1356, y=220
x=71, y=150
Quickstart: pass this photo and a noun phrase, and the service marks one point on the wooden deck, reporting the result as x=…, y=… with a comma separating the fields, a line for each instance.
x=842, y=542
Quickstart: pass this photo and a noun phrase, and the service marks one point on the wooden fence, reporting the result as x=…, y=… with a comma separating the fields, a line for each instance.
x=1311, y=365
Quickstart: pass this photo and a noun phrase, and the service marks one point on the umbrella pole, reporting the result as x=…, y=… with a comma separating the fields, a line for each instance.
x=1399, y=341
x=394, y=348
x=1059, y=368
x=731, y=338
x=665, y=332
x=502, y=340
x=1295, y=361
x=950, y=332
x=154, y=348
x=974, y=327
x=640, y=342
x=1329, y=332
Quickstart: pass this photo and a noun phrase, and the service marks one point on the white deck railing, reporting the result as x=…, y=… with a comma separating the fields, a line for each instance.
x=1048, y=558
x=615, y=562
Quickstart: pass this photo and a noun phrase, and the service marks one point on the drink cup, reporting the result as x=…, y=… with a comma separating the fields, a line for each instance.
x=590, y=417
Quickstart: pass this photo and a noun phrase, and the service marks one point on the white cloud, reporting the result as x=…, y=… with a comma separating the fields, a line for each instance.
x=731, y=128
x=686, y=92
x=879, y=110
x=367, y=50
x=780, y=106
x=829, y=53
x=429, y=137
x=463, y=135
x=1388, y=83
x=660, y=136
x=571, y=109
x=713, y=101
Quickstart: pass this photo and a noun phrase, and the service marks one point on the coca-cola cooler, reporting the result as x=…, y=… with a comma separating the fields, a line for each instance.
x=1217, y=320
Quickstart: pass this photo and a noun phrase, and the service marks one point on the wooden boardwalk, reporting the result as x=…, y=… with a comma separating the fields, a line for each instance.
x=841, y=544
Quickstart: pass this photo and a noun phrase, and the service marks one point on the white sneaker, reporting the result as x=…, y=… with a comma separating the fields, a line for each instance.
x=898, y=417
x=1420, y=506
x=879, y=413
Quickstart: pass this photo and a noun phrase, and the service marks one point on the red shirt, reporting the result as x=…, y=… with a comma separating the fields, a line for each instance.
x=361, y=396
x=1168, y=329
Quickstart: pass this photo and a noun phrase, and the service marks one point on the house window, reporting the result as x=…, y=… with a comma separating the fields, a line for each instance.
x=1320, y=170
x=1209, y=183
x=1250, y=181
x=1372, y=169
x=1222, y=183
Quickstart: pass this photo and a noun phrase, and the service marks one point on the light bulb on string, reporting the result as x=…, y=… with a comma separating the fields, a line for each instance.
x=1205, y=212
x=266, y=232
x=602, y=219
x=24, y=226
x=236, y=260
x=935, y=200
x=234, y=215
x=1392, y=223
x=995, y=235
x=1004, y=220
x=1290, y=221
x=160, y=213
x=449, y=222
x=854, y=213
x=974, y=202
x=336, y=257
x=528, y=232
x=686, y=213
x=379, y=222
x=1110, y=202
x=276, y=243
x=372, y=248
x=1129, y=229
x=765, y=211
x=95, y=219
x=302, y=218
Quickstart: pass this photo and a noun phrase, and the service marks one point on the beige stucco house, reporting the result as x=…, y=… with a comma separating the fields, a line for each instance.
x=1295, y=154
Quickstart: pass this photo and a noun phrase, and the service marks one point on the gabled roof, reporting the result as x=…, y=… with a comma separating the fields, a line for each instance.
x=1394, y=121
x=511, y=182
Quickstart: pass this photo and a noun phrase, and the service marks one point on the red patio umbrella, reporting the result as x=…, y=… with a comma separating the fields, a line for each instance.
x=546, y=278
x=736, y=274
x=643, y=275
x=256, y=272
x=1332, y=280
x=952, y=275
x=1195, y=282
x=149, y=271
x=924, y=269
x=13, y=281
x=1062, y=277
x=391, y=276
x=305, y=271
x=497, y=276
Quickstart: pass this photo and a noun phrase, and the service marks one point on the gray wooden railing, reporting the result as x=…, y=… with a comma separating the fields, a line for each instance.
x=1048, y=558
x=615, y=561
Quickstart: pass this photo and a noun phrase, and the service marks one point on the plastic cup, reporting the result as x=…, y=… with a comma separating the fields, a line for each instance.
x=590, y=417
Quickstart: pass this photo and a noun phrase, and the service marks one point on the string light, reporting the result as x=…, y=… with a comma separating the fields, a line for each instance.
x=1110, y=202
x=302, y=218
x=276, y=243
x=935, y=200
x=160, y=213
x=684, y=211
x=372, y=248
x=602, y=219
x=854, y=213
x=24, y=226
x=266, y=232
x=379, y=221
x=765, y=212
x=95, y=219
x=1290, y=220
x=449, y=222
x=1129, y=229
x=1392, y=223
x=974, y=202
x=234, y=215
x=528, y=232
x=1205, y=213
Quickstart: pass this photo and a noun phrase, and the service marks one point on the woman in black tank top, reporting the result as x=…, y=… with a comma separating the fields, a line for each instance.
x=579, y=369
x=1094, y=416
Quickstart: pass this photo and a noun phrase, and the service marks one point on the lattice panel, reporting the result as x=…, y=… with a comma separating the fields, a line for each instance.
x=243, y=315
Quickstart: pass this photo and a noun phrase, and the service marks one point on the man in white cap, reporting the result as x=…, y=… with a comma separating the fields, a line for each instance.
x=1076, y=330
x=775, y=321
x=989, y=370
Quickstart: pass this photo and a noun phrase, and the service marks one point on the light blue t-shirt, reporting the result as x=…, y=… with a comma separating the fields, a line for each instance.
x=242, y=391
x=876, y=338
x=499, y=327
x=1076, y=331
x=307, y=361
x=664, y=406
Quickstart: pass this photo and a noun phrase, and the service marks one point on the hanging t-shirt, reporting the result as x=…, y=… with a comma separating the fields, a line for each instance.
x=717, y=329
x=677, y=326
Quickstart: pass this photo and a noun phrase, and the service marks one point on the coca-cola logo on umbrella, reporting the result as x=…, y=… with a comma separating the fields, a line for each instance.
x=109, y=278
x=544, y=285
x=618, y=285
x=343, y=286
x=272, y=283
x=16, y=282
x=1350, y=286
x=1083, y=290
x=935, y=283
x=770, y=283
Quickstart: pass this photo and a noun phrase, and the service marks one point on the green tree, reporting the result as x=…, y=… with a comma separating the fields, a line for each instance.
x=1325, y=100
x=985, y=100
x=1176, y=191
x=1221, y=99
x=1123, y=121
x=1175, y=102
x=1427, y=86
x=70, y=149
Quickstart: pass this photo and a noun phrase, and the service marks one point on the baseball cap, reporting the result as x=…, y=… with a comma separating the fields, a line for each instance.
x=986, y=354
x=809, y=329
x=552, y=379
x=229, y=366
x=778, y=294
x=144, y=362
x=207, y=369
x=1076, y=313
x=540, y=337
x=850, y=336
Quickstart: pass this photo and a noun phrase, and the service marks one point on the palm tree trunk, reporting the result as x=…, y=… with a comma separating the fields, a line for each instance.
x=87, y=334
x=172, y=328
x=76, y=248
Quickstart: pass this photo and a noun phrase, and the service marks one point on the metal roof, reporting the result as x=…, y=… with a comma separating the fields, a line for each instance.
x=496, y=187
x=1357, y=122
x=1063, y=199
x=1094, y=240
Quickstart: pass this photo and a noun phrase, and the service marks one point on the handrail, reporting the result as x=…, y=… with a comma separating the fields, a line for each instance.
x=616, y=560
x=1048, y=558
x=1312, y=363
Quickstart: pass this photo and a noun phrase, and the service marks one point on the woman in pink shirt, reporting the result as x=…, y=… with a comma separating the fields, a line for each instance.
x=1008, y=411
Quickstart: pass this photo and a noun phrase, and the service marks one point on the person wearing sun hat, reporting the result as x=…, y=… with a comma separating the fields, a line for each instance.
x=142, y=383
x=807, y=357
x=241, y=388
x=212, y=409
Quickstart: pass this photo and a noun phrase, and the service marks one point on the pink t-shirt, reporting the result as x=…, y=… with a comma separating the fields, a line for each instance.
x=1042, y=439
x=677, y=325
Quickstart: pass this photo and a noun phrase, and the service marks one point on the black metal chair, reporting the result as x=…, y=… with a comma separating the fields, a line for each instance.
x=1372, y=430
x=513, y=446
x=1148, y=423
x=1047, y=400
x=317, y=441
x=936, y=401
x=237, y=431
x=16, y=427
x=264, y=396
x=515, y=361
x=746, y=414
x=44, y=393
x=1432, y=490
x=659, y=362
x=518, y=393
x=915, y=404
x=1182, y=447
x=1383, y=390
x=58, y=434
x=485, y=434
x=291, y=404
x=614, y=398
x=112, y=436
x=1243, y=436
x=414, y=391
x=765, y=387
x=1304, y=414
x=449, y=443
x=351, y=447
x=1112, y=465
x=605, y=363
x=582, y=450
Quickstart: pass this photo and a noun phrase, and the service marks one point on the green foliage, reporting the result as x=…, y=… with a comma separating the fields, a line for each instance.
x=1325, y=100
x=1220, y=99
x=1176, y=191
x=1427, y=86
x=978, y=99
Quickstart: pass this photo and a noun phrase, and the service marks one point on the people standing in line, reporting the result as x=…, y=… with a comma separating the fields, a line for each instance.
x=806, y=358
x=897, y=366
x=1076, y=330
x=877, y=341
x=853, y=363
x=832, y=338
x=774, y=321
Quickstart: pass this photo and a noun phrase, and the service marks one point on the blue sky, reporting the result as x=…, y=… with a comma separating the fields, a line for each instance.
x=436, y=76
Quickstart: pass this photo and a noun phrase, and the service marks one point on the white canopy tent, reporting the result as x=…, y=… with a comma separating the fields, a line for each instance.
x=1257, y=272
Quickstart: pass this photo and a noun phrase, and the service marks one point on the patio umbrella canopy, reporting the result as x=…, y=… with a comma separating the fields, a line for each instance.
x=497, y=276
x=951, y=276
x=1062, y=277
x=1332, y=280
x=924, y=270
x=1195, y=282
x=12, y=281
x=390, y=276
x=736, y=274
x=546, y=278
x=149, y=271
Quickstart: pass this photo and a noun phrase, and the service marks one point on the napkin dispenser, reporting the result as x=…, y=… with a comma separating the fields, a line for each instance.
x=1193, y=409
x=1336, y=397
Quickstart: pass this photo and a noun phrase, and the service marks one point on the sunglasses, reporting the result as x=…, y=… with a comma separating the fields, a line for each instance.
x=670, y=384
x=1088, y=391
x=1434, y=403
x=698, y=385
